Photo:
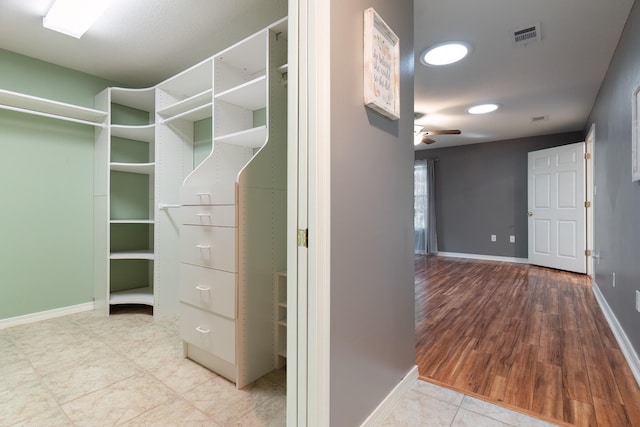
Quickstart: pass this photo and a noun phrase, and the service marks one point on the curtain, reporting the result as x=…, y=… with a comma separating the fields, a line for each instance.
x=424, y=221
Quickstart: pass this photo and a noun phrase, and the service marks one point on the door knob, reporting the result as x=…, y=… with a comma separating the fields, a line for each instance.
x=530, y=213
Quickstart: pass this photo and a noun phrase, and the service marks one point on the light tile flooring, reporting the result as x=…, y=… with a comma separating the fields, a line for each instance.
x=127, y=370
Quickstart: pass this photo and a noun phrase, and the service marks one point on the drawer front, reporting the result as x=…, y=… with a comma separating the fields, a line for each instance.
x=209, y=289
x=217, y=194
x=221, y=215
x=213, y=247
x=210, y=332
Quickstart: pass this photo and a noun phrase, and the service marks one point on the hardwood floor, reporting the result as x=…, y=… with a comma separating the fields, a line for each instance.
x=529, y=338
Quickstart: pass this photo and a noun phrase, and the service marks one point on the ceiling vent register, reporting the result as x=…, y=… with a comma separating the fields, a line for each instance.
x=526, y=35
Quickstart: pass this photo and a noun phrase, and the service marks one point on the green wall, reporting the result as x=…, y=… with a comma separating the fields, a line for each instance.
x=46, y=192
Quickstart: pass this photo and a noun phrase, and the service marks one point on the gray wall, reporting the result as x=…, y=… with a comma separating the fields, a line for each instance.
x=372, y=292
x=617, y=203
x=481, y=189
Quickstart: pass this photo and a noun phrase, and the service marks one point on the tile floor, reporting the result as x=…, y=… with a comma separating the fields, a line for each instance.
x=127, y=370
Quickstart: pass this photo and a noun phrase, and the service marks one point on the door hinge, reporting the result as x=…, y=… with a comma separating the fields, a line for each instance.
x=303, y=238
x=587, y=204
x=587, y=156
x=587, y=252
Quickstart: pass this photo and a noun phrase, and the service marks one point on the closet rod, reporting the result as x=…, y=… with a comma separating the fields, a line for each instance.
x=51, y=116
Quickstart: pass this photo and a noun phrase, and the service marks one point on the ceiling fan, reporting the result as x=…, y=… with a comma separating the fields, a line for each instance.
x=427, y=133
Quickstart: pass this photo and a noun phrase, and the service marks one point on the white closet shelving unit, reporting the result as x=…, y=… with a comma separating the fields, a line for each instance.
x=206, y=239
x=233, y=228
x=137, y=170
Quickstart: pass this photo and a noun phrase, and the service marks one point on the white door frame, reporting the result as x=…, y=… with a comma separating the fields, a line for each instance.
x=590, y=193
x=308, y=208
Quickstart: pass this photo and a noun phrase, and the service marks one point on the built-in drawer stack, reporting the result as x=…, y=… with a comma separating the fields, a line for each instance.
x=209, y=270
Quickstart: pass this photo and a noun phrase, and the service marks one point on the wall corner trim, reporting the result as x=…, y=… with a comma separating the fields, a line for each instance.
x=625, y=345
x=390, y=402
x=44, y=315
x=484, y=257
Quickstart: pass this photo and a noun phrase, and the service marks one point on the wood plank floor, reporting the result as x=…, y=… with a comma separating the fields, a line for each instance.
x=529, y=338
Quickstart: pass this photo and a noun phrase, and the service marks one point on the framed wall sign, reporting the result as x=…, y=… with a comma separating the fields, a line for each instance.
x=381, y=66
x=635, y=143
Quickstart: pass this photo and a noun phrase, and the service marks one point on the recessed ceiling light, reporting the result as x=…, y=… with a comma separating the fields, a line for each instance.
x=74, y=17
x=482, y=109
x=445, y=53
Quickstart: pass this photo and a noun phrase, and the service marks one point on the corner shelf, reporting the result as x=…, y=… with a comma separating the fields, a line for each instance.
x=53, y=109
x=144, y=133
x=139, y=254
x=139, y=168
x=142, y=295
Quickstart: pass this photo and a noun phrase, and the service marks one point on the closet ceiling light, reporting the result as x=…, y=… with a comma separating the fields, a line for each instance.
x=445, y=53
x=482, y=109
x=74, y=17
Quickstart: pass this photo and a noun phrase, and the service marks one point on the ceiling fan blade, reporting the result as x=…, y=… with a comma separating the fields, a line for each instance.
x=443, y=132
x=428, y=140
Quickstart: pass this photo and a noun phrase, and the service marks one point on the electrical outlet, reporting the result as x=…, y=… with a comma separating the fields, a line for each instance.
x=638, y=301
x=493, y=238
x=613, y=282
x=512, y=239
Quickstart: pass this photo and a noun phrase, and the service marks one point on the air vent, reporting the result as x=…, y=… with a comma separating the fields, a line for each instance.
x=538, y=119
x=526, y=35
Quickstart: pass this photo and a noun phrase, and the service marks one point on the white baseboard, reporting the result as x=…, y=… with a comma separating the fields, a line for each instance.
x=484, y=257
x=625, y=345
x=389, y=403
x=44, y=315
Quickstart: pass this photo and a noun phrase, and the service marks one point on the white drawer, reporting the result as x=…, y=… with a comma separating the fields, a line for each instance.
x=217, y=194
x=223, y=215
x=209, y=289
x=210, y=332
x=213, y=247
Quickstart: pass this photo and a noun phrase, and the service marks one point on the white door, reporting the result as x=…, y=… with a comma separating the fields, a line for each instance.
x=557, y=213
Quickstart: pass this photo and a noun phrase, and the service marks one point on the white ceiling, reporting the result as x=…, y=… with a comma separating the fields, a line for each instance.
x=557, y=77
x=137, y=42
x=142, y=42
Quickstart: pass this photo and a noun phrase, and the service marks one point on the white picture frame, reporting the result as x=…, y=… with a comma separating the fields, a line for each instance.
x=635, y=143
x=381, y=66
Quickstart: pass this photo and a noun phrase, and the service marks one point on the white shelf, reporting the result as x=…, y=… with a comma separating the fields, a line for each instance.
x=53, y=109
x=132, y=221
x=140, y=168
x=141, y=254
x=247, y=55
x=138, y=133
x=133, y=296
x=190, y=82
x=140, y=99
x=251, y=138
x=198, y=100
x=283, y=69
x=282, y=322
x=193, y=115
x=251, y=95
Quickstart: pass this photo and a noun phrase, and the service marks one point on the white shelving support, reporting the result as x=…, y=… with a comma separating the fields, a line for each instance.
x=52, y=109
